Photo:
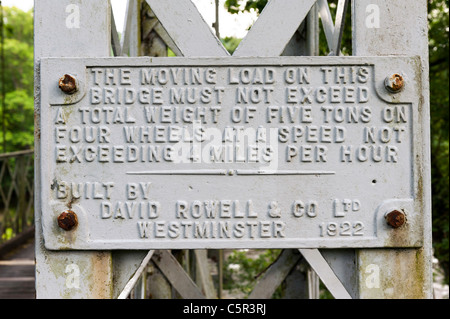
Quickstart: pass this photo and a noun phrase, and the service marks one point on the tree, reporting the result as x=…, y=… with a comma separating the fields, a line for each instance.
x=236, y=6
x=438, y=19
x=18, y=84
x=230, y=43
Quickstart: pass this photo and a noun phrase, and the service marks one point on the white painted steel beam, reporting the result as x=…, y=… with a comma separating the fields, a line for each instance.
x=115, y=41
x=134, y=279
x=185, y=25
x=326, y=274
x=131, y=33
x=68, y=30
x=398, y=28
x=333, y=32
x=339, y=26
x=274, y=28
x=327, y=22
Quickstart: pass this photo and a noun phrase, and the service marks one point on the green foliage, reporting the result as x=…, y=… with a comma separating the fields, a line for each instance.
x=18, y=83
x=241, y=271
x=19, y=25
x=19, y=107
x=170, y=53
x=230, y=43
x=438, y=24
x=18, y=66
x=7, y=235
x=236, y=6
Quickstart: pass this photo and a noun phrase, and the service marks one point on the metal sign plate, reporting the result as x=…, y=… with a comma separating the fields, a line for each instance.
x=186, y=153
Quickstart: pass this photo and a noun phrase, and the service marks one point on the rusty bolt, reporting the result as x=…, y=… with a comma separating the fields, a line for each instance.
x=68, y=84
x=67, y=220
x=394, y=83
x=395, y=218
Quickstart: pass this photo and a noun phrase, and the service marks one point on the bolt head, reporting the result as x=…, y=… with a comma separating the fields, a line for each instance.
x=395, y=218
x=394, y=83
x=67, y=220
x=68, y=84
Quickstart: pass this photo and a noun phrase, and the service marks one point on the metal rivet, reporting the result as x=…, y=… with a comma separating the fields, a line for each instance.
x=67, y=220
x=395, y=218
x=68, y=84
x=394, y=83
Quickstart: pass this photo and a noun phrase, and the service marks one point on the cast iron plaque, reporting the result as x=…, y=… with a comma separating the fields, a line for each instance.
x=286, y=152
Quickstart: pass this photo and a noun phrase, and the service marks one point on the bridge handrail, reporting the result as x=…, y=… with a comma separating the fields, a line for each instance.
x=15, y=154
x=16, y=193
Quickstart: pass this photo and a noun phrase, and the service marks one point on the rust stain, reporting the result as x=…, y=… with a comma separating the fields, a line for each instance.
x=395, y=82
x=68, y=84
x=396, y=219
x=101, y=276
x=72, y=201
x=37, y=130
x=67, y=220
